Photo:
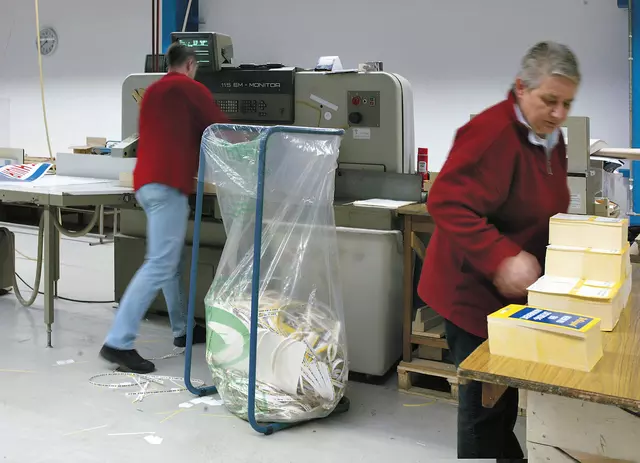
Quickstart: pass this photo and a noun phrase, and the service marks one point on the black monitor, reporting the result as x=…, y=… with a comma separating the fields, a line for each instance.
x=205, y=46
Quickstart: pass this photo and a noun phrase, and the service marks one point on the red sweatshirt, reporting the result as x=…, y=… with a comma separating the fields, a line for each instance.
x=174, y=113
x=492, y=199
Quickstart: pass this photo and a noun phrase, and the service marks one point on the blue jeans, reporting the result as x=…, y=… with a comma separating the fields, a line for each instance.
x=167, y=211
x=482, y=432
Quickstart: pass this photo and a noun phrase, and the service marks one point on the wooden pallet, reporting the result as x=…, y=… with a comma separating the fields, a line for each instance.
x=431, y=343
x=429, y=378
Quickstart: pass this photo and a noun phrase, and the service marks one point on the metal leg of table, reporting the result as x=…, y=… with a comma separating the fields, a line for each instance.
x=55, y=253
x=102, y=236
x=407, y=284
x=51, y=269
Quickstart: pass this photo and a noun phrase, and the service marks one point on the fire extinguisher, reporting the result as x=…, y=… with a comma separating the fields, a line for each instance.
x=423, y=164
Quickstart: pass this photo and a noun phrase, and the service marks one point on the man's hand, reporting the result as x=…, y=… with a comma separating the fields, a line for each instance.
x=516, y=274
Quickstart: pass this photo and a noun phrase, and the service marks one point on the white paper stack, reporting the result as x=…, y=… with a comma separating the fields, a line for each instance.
x=551, y=337
x=588, y=263
x=596, y=299
x=587, y=268
x=588, y=231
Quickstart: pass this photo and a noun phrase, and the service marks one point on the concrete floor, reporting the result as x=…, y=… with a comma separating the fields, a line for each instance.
x=49, y=412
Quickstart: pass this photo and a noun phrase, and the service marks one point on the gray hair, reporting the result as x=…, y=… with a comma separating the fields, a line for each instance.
x=546, y=59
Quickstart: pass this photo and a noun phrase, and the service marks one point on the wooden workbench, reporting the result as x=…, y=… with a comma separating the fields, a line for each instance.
x=568, y=411
x=416, y=219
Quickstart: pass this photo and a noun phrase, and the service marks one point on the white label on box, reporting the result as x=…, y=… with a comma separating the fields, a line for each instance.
x=599, y=284
x=606, y=251
x=559, y=247
x=577, y=218
x=576, y=202
x=592, y=291
x=608, y=219
x=554, y=285
x=360, y=133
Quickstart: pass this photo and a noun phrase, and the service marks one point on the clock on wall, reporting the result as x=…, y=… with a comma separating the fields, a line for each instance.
x=48, y=41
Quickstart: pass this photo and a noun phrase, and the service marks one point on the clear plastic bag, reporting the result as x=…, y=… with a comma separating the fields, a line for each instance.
x=616, y=188
x=301, y=360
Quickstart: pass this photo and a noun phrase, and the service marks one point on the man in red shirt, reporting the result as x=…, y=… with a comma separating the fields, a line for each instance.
x=505, y=176
x=174, y=113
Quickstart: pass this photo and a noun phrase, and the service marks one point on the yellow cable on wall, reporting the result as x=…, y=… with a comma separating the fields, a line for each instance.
x=44, y=108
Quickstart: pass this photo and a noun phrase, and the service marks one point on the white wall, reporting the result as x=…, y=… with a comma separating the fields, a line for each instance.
x=460, y=56
x=100, y=43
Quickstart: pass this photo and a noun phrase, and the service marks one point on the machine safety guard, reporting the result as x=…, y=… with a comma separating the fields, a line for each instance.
x=266, y=429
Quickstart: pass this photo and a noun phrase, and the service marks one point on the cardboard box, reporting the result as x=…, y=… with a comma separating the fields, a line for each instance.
x=93, y=145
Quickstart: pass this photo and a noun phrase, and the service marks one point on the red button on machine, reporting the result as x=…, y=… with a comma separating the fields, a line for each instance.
x=355, y=101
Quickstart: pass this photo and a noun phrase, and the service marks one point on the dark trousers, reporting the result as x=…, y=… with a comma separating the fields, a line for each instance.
x=482, y=432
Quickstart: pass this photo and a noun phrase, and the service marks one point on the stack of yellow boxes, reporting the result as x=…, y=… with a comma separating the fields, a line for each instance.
x=587, y=284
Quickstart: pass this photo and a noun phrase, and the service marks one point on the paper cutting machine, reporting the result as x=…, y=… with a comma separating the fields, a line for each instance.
x=377, y=160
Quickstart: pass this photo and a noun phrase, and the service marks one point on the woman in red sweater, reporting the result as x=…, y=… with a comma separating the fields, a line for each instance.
x=505, y=176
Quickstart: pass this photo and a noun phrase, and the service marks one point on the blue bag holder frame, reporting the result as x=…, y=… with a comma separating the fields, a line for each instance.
x=255, y=281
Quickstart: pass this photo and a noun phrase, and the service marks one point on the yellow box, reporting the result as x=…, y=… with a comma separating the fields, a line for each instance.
x=555, y=338
x=587, y=231
x=588, y=263
x=599, y=299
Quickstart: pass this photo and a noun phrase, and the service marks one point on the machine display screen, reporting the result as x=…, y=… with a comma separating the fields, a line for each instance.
x=202, y=48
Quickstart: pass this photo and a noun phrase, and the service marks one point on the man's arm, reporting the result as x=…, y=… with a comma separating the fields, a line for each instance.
x=208, y=110
x=474, y=182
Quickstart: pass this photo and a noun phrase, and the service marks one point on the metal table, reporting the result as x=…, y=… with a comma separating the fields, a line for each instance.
x=50, y=193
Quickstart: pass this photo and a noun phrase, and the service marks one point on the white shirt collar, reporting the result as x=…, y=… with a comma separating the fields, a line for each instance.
x=548, y=143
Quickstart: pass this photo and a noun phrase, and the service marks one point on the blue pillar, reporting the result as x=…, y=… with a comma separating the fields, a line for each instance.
x=634, y=11
x=173, y=12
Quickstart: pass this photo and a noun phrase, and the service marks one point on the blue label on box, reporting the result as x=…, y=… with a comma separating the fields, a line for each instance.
x=549, y=317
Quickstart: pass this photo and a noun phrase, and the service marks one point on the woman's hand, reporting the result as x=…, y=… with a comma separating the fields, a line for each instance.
x=516, y=274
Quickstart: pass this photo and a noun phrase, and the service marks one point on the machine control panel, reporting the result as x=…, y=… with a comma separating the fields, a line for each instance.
x=363, y=108
x=254, y=95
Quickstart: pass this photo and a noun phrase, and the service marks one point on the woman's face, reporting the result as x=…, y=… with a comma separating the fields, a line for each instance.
x=546, y=108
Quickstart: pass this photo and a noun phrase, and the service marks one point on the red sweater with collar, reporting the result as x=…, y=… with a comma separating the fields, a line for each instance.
x=174, y=113
x=493, y=198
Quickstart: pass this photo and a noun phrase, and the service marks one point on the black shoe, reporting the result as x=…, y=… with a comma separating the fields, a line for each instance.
x=127, y=360
x=4, y=292
x=199, y=337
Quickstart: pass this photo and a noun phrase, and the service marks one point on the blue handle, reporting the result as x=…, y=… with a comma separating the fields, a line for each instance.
x=192, y=286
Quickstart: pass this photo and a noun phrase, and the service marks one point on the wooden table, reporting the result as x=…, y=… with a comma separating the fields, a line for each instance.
x=416, y=219
x=570, y=412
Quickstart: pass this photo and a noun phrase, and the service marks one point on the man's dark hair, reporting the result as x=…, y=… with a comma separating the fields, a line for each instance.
x=178, y=55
